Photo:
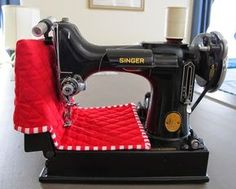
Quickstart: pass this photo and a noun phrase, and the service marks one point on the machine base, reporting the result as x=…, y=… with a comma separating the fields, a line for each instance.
x=154, y=166
x=44, y=178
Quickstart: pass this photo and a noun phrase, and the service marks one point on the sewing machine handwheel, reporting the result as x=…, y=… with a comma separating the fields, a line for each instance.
x=211, y=49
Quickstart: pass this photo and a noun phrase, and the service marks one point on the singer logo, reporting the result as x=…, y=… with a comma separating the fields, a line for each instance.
x=131, y=60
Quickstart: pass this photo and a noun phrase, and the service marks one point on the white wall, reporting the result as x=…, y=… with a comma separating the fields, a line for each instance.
x=112, y=26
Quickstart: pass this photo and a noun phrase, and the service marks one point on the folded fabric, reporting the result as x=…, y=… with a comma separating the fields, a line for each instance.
x=38, y=106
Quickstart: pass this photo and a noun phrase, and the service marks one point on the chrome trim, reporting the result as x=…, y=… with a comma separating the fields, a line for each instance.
x=187, y=85
x=56, y=45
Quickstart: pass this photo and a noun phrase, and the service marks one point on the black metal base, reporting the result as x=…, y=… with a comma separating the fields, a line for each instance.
x=155, y=166
x=44, y=178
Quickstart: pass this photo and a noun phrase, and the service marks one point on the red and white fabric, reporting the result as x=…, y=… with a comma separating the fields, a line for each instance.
x=38, y=108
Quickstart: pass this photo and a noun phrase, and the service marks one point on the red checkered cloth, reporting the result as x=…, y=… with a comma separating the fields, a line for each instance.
x=38, y=108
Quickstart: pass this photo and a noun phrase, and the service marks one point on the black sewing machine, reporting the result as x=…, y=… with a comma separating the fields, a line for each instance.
x=177, y=154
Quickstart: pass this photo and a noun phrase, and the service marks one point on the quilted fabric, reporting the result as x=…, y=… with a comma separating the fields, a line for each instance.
x=39, y=108
x=105, y=128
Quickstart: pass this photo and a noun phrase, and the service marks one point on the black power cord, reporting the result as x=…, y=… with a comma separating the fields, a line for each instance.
x=201, y=96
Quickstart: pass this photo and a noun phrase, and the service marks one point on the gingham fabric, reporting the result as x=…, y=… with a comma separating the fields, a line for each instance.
x=39, y=109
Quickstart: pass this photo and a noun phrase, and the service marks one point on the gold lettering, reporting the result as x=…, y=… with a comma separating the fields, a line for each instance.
x=131, y=60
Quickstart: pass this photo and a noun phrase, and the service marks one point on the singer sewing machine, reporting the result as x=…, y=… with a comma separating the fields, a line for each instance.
x=170, y=150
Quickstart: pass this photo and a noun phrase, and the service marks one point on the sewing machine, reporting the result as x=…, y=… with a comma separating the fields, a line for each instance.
x=175, y=153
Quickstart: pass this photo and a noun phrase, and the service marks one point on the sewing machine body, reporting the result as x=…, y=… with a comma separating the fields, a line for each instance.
x=176, y=155
x=168, y=67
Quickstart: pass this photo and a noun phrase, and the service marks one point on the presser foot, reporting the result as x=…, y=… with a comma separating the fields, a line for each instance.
x=67, y=114
x=150, y=166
